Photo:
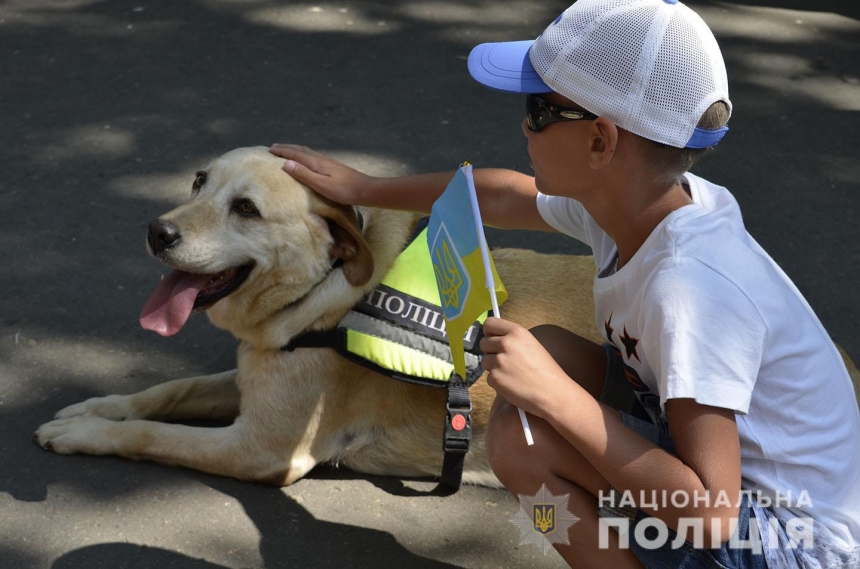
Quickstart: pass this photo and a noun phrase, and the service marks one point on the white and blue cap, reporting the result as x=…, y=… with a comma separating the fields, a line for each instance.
x=652, y=66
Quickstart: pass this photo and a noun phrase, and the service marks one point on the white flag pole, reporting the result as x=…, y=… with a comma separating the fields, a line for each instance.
x=488, y=274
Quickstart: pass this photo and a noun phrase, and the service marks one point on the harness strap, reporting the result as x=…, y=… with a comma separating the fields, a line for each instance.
x=316, y=339
x=354, y=321
x=458, y=435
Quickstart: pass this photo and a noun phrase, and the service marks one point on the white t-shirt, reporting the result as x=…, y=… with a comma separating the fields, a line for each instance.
x=701, y=311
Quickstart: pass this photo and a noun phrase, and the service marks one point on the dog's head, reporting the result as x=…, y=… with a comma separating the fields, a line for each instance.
x=250, y=242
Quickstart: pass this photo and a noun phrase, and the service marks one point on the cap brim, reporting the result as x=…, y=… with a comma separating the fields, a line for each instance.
x=506, y=66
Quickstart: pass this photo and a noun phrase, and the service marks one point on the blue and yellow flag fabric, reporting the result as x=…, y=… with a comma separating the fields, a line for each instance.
x=459, y=252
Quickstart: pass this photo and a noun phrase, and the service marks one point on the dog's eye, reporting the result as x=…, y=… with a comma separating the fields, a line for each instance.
x=198, y=182
x=245, y=207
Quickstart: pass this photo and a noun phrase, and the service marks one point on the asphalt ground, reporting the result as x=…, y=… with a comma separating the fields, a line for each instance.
x=107, y=109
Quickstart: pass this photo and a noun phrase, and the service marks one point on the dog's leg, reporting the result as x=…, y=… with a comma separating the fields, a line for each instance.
x=237, y=451
x=270, y=440
x=204, y=397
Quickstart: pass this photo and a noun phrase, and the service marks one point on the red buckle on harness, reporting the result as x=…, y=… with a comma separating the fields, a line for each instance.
x=458, y=422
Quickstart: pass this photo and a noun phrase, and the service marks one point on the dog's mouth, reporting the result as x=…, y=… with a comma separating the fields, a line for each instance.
x=220, y=285
x=180, y=293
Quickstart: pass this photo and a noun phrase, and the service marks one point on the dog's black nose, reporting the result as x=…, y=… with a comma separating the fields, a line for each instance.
x=162, y=236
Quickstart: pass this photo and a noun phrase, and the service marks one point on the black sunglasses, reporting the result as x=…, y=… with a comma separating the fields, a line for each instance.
x=540, y=113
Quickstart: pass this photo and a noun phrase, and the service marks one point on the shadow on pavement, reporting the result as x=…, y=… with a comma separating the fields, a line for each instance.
x=848, y=8
x=289, y=537
x=128, y=556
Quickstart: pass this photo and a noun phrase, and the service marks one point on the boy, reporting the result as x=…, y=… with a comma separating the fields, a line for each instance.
x=715, y=377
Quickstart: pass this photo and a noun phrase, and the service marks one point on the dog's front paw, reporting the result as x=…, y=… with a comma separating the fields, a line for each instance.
x=87, y=435
x=113, y=407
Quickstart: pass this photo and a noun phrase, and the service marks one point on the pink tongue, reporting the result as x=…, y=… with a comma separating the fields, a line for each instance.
x=171, y=304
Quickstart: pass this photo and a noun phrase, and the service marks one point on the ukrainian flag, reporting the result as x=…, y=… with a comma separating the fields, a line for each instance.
x=465, y=273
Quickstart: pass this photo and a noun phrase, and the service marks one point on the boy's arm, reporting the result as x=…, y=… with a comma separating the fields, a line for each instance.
x=707, y=462
x=507, y=198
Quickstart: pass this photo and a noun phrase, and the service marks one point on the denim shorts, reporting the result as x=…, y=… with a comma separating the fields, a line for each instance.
x=618, y=393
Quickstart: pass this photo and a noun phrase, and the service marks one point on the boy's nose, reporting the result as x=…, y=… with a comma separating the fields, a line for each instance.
x=525, y=126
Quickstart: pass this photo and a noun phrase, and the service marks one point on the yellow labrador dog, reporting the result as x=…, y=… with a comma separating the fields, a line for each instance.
x=255, y=250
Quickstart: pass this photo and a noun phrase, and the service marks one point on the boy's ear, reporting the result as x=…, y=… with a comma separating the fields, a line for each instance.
x=602, y=142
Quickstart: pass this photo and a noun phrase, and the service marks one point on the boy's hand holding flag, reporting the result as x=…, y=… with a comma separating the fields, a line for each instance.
x=465, y=273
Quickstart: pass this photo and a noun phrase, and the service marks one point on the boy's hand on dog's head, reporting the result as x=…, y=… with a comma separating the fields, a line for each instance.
x=520, y=369
x=334, y=180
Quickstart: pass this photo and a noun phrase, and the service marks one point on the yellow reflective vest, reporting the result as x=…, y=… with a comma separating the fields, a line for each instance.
x=398, y=330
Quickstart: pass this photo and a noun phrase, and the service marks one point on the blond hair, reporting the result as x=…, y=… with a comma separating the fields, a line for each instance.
x=668, y=162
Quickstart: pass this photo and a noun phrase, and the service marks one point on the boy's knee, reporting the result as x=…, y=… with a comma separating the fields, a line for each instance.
x=502, y=439
x=552, y=337
x=498, y=428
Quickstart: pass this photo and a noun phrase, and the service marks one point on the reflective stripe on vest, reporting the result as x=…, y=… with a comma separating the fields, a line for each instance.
x=400, y=350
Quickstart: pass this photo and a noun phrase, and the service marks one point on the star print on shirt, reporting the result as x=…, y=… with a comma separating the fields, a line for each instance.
x=609, y=329
x=630, y=345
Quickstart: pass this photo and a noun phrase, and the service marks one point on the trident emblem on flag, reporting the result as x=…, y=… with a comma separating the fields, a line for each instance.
x=448, y=276
x=451, y=277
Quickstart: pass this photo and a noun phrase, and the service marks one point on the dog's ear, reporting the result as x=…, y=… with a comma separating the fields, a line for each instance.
x=349, y=244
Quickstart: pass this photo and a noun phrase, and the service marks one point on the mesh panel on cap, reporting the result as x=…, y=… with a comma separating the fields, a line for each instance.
x=612, y=67
x=681, y=79
x=578, y=19
x=585, y=12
